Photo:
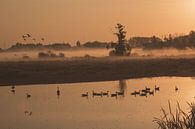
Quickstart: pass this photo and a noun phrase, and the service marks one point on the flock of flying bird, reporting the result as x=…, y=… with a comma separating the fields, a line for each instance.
x=144, y=92
x=27, y=36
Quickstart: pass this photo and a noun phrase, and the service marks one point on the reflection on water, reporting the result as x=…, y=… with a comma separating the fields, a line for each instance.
x=122, y=85
x=46, y=109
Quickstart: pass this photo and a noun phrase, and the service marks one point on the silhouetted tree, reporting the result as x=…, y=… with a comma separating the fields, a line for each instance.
x=170, y=37
x=166, y=39
x=121, y=48
x=192, y=37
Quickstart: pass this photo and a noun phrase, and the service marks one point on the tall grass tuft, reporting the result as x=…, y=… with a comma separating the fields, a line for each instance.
x=180, y=120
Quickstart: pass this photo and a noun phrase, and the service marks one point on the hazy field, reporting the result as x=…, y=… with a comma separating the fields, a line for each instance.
x=75, y=67
x=33, y=55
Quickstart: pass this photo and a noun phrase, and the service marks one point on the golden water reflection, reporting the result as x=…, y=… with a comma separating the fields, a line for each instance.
x=45, y=110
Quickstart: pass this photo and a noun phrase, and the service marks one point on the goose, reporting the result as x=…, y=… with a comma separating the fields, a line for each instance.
x=157, y=88
x=93, y=93
x=96, y=94
x=151, y=92
x=114, y=95
x=137, y=92
x=105, y=93
x=85, y=95
x=143, y=94
x=13, y=91
x=99, y=94
x=147, y=88
x=58, y=91
x=145, y=91
x=13, y=87
x=176, y=88
x=134, y=93
x=28, y=95
x=120, y=93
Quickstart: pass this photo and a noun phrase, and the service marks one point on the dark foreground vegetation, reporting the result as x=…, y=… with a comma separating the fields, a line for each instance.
x=92, y=69
x=178, y=120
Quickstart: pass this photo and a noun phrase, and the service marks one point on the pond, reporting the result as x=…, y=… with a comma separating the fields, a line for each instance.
x=44, y=109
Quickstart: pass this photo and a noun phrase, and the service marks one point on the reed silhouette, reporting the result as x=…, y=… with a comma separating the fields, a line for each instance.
x=179, y=120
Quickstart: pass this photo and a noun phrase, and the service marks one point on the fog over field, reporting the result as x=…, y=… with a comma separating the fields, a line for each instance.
x=33, y=55
x=68, y=54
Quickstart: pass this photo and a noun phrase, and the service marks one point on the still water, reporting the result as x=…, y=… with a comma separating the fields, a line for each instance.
x=45, y=110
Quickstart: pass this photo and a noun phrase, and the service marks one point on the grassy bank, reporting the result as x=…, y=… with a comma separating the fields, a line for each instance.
x=92, y=69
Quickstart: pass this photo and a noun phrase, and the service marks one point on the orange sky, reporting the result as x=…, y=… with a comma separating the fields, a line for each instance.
x=88, y=20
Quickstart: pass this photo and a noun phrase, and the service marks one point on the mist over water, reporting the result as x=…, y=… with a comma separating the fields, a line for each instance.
x=8, y=56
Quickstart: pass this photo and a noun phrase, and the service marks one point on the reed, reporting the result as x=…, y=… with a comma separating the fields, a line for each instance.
x=181, y=119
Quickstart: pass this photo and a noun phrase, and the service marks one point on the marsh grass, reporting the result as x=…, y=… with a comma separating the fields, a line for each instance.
x=180, y=120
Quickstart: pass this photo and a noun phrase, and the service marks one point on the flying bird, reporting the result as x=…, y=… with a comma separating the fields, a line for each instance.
x=24, y=37
x=28, y=35
x=42, y=39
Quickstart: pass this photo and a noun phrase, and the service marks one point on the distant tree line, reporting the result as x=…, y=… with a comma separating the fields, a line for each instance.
x=95, y=44
x=59, y=46
x=154, y=42
x=178, y=42
x=39, y=46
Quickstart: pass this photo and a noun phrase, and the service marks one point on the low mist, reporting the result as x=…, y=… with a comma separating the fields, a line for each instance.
x=33, y=55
